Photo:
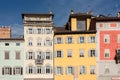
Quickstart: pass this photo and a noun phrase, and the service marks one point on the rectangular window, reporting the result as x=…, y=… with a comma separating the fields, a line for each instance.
x=30, y=55
x=29, y=70
x=6, y=44
x=59, y=70
x=81, y=39
x=48, y=70
x=81, y=53
x=17, y=44
x=59, y=40
x=92, y=39
x=118, y=38
x=47, y=55
x=39, y=69
x=39, y=31
x=92, y=69
x=48, y=43
x=106, y=53
x=70, y=70
x=6, y=71
x=17, y=54
x=6, y=55
x=30, y=42
x=48, y=31
x=81, y=25
x=30, y=31
x=92, y=53
x=106, y=38
x=69, y=40
x=59, y=53
x=82, y=70
x=18, y=71
x=69, y=53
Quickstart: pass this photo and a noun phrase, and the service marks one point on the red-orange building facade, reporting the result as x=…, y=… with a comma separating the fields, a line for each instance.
x=5, y=32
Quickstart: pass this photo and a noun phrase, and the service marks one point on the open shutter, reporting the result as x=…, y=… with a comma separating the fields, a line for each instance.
x=72, y=70
x=62, y=53
x=43, y=70
x=35, y=69
x=27, y=70
x=55, y=54
x=66, y=70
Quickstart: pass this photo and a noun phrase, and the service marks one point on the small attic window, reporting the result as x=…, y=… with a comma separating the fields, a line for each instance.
x=81, y=25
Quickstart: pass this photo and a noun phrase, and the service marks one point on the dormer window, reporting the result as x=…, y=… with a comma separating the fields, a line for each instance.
x=81, y=25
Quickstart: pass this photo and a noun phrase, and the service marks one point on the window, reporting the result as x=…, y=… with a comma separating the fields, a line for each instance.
x=17, y=70
x=107, y=70
x=30, y=31
x=6, y=71
x=70, y=70
x=17, y=54
x=6, y=55
x=106, y=53
x=81, y=39
x=118, y=38
x=30, y=42
x=17, y=44
x=92, y=39
x=30, y=55
x=30, y=69
x=48, y=43
x=81, y=53
x=92, y=53
x=6, y=44
x=59, y=70
x=40, y=55
x=39, y=31
x=82, y=70
x=106, y=38
x=59, y=40
x=81, y=25
x=69, y=40
x=48, y=55
x=48, y=69
x=69, y=53
x=39, y=42
x=39, y=69
x=92, y=69
x=48, y=31
x=59, y=53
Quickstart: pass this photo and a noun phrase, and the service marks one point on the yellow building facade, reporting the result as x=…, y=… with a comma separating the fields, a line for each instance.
x=75, y=49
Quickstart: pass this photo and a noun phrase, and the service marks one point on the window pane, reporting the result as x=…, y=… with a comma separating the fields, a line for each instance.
x=81, y=25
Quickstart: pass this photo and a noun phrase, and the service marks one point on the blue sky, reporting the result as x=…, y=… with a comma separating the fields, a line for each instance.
x=11, y=10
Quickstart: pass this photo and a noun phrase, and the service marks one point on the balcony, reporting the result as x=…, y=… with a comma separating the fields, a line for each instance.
x=39, y=61
x=117, y=56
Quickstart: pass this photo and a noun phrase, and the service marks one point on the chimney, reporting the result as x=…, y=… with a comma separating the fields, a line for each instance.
x=90, y=12
x=72, y=12
x=118, y=14
x=51, y=12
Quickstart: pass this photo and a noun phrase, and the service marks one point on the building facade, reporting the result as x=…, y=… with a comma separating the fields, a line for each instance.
x=5, y=32
x=75, y=49
x=108, y=46
x=11, y=58
x=38, y=35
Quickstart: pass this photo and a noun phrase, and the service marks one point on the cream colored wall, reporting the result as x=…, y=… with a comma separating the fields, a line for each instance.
x=35, y=48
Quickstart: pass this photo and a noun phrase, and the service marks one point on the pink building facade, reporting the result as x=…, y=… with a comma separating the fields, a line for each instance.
x=108, y=48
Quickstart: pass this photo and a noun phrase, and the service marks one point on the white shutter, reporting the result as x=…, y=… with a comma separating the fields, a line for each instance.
x=27, y=70
x=62, y=53
x=51, y=69
x=27, y=55
x=55, y=54
x=66, y=70
x=35, y=70
x=43, y=70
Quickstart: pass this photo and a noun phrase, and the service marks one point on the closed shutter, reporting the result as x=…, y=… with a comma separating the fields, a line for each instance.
x=2, y=71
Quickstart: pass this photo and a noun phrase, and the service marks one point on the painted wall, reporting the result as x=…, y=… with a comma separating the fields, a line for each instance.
x=12, y=62
x=75, y=60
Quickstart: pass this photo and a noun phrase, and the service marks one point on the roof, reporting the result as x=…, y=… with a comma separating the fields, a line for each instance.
x=37, y=14
x=107, y=19
x=19, y=39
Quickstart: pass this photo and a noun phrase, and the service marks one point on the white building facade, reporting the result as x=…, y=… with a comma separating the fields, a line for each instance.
x=38, y=36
